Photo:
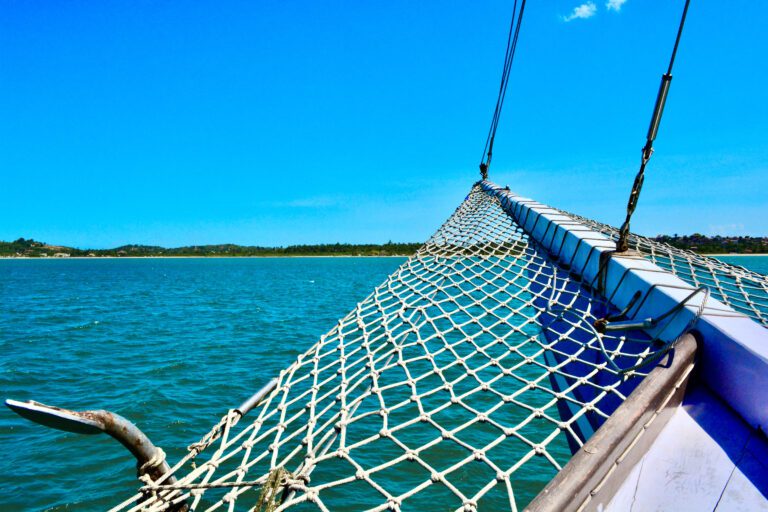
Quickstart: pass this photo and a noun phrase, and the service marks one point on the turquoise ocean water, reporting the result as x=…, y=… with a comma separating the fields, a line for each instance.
x=170, y=344
x=755, y=263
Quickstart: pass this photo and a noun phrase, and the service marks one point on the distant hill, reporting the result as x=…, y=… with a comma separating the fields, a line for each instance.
x=717, y=244
x=33, y=249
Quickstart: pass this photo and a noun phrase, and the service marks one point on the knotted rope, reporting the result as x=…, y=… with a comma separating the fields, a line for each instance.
x=457, y=383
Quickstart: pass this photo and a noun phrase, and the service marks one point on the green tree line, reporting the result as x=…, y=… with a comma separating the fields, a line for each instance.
x=33, y=248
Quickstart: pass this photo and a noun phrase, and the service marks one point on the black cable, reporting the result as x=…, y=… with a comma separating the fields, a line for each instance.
x=509, y=56
x=677, y=39
x=622, y=245
x=502, y=86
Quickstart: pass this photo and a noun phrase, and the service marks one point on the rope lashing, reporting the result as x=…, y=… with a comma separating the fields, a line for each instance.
x=653, y=130
x=509, y=56
x=155, y=462
x=268, y=499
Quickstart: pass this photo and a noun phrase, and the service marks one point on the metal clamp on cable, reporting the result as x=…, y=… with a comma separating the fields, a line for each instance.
x=624, y=325
x=622, y=245
x=612, y=323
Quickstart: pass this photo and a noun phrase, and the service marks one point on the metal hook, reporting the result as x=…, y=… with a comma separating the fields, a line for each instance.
x=150, y=460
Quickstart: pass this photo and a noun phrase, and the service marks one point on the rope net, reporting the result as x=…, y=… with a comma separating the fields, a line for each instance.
x=742, y=289
x=466, y=380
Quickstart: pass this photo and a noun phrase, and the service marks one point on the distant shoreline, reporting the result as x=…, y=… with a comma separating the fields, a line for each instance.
x=736, y=254
x=201, y=257
x=29, y=248
x=276, y=257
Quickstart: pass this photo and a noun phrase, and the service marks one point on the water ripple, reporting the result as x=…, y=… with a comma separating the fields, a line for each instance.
x=170, y=344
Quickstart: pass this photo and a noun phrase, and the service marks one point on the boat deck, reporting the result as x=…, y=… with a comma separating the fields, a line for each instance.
x=705, y=458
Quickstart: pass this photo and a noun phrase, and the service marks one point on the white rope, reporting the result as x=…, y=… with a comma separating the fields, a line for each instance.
x=156, y=461
x=457, y=384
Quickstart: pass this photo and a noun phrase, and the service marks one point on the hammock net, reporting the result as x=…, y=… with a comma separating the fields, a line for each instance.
x=465, y=381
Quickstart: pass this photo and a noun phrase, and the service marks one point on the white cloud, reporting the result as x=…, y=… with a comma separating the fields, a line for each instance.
x=734, y=229
x=583, y=11
x=615, y=5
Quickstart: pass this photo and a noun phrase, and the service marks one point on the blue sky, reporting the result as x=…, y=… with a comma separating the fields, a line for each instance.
x=290, y=122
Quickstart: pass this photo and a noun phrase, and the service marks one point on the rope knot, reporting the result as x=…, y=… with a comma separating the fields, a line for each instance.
x=268, y=498
x=155, y=462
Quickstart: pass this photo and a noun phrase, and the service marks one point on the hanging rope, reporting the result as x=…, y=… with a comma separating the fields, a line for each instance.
x=653, y=129
x=509, y=56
